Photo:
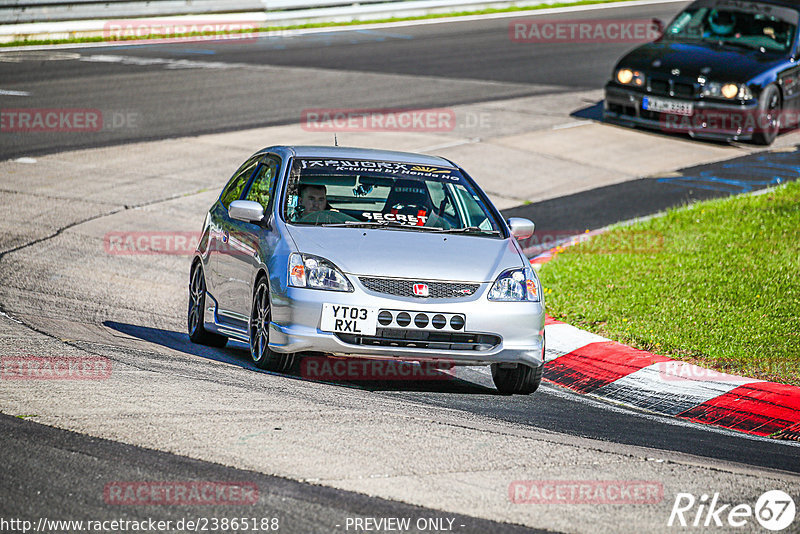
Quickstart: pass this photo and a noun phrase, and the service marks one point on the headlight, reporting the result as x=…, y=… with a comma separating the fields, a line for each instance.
x=316, y=273
x=727, y=90
x=516, y=285
x=730, y=90
x=630, y=77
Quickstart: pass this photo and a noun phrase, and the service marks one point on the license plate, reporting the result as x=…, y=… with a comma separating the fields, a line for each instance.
x=665, y=105
x=349, y=319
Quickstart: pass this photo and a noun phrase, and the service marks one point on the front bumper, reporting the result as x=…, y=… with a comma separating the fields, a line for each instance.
x=710, y=120
x=516, y=329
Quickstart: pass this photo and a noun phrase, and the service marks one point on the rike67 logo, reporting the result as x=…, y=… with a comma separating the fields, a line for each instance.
x=774, y=510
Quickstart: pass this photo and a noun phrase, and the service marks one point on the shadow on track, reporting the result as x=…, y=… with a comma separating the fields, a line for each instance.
x=594, y=112
x=237, y=353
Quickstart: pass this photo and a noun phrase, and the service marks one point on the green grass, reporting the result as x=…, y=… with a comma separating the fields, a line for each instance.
x=100, y=39
x=716, y=283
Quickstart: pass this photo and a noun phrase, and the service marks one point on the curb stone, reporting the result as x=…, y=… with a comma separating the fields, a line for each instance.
x=590, y=364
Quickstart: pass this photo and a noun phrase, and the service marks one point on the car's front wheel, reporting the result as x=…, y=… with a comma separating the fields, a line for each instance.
x=521, y=380
x=769, y=113
x=260, y=316
x=196, y=315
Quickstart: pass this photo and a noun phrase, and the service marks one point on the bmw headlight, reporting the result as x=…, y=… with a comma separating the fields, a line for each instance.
x=314, y=272
x=630, y=77
x=727, y=90
x=516, y=285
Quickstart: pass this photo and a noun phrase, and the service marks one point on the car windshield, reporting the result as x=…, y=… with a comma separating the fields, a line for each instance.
x=385, y=194
x=749, y=25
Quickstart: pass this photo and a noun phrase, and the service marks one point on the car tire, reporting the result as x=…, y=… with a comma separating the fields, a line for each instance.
x=521, y=380
x=260, y=316
x=769, y=105
x=196, y=313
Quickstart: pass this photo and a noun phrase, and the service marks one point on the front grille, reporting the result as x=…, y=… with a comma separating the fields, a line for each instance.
x=659, y=87
x=620, y=109
x=405, y=288
x=683, y=89
x=672, y=88
x=424, y=339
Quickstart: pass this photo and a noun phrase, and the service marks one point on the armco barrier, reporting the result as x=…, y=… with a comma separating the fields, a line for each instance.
x=26, y=11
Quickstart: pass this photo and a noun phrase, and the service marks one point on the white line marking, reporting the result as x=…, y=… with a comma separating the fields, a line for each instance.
x=6, y=92
x=449, y=145
x=169, y=63
x=571, y=125
x=7, y=316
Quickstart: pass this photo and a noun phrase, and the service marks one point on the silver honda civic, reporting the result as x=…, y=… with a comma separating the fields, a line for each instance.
x=361, y=253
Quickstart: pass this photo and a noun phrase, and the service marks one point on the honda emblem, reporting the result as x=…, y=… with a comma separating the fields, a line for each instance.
x=421, y=290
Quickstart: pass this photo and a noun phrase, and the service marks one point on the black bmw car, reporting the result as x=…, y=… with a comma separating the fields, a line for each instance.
x=722, y=69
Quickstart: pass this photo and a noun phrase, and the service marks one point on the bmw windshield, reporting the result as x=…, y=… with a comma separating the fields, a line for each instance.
x=744, y=24
x=385, y=194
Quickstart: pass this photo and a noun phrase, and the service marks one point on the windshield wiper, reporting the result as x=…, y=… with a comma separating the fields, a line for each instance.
x=378, y=224
x=399, y=225
x=737, y=44
x=469, y=230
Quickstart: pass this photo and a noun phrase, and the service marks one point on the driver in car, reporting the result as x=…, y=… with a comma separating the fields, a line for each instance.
x=722, y=24
x=313, y=198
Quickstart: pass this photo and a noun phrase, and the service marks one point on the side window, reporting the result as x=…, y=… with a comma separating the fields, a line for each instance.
x=262, y=187
x=436, y=191
x=236, y=184
x=473, y=213
x=440, y=197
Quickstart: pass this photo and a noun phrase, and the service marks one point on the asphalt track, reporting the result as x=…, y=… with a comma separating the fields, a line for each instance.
x=204, y=87
x=451, y=64
x=299, y=507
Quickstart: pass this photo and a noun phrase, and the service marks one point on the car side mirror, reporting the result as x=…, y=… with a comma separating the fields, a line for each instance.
x=247, y=211
x=521, y=228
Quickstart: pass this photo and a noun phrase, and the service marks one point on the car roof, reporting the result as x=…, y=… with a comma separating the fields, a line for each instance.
x=336, y=152
x=787, y=3
x=794, y=4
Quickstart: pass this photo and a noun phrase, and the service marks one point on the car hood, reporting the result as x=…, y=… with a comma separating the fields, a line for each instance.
x=715, y=62
x=407, y=254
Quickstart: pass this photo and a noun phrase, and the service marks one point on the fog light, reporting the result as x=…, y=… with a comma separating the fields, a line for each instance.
x=403, y=319
x=385, y=318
